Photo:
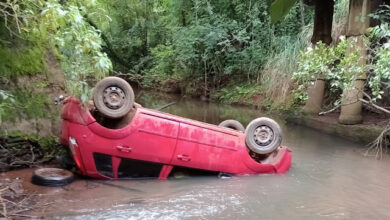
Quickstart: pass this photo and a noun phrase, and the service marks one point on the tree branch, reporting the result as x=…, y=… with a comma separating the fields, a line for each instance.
x=372, y=103
x=109, y=47
x=329, y=111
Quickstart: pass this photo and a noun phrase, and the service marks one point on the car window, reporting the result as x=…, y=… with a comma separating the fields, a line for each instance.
x=129, y=168
x=103, y=163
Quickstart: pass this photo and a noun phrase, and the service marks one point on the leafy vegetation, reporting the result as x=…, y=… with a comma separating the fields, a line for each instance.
x=198, y=46
x=380, y=80
x=52, y=25
x=342, y=64
x=339, y=64
x=277, y=81
x=280, y=8
x=27, y=61
x=25, y=104
x=28, y=30
x=207, y=47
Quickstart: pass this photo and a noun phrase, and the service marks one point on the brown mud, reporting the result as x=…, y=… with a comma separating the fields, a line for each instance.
x=82, y=196
x=372, y=126
x=52, y=84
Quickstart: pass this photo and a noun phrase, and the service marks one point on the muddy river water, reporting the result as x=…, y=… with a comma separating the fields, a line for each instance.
x=329, y=179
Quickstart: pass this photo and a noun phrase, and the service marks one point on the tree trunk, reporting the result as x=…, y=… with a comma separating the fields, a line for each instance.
x=323, y=20
x=316, y=95
x=358, y=22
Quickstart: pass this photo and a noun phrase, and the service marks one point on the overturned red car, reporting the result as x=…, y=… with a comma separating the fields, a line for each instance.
x=149, y=143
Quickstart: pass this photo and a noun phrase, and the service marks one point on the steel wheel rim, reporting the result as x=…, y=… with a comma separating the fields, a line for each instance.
x=113, y=97
x=263, y=135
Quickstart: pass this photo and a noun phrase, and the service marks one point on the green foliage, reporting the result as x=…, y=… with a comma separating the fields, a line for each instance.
x=23, y=104
x=341, y=10
x=276, y=81
x=342, y=64
x=280, y=8
x=26, y=61
x=162, y=70
x=242, y=94
x=380, y=79
x=202, y=44
x=63, y=26
x=133, y=29
x=50, y=146
x=6, y=101
x=339, y=64
x=79, y=44
x=215, y=44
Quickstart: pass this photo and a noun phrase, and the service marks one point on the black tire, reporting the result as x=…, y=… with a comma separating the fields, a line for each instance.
x=65, y=160
x=222, y=175
x=113, y=97
x=52, y=177
x=233, y=124
x=263, y=135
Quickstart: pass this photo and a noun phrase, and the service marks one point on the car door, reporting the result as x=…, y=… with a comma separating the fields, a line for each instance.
x=205, y=147
x=153, y=138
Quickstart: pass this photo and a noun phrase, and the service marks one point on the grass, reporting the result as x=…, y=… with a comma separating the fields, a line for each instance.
x=26, y=104
x=341, y=9
x=276, y=80
x=238, y=94
x=25, y=61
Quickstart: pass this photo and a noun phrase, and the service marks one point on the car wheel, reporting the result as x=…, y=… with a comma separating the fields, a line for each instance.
x=66, y=161
x=113, y=97
x=52, y=177
x=263, y=135
x=233, y=124
x=222, y=175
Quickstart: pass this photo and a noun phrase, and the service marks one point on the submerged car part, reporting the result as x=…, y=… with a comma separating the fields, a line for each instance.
x=232, y=124
x=152, y=143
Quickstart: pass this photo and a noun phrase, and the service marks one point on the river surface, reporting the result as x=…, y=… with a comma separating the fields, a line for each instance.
x=328, y=179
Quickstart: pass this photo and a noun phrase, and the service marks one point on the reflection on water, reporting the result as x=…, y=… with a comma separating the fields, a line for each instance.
x=329, y=179
x=195, y=109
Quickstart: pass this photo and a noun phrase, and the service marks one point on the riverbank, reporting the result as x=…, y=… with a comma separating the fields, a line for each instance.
x=18, y=150
x=368, y=131
x=372, y=126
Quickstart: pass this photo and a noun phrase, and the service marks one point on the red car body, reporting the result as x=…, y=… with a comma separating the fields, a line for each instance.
x=162, y=141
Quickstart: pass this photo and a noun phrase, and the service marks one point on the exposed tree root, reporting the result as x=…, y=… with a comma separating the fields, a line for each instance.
x=19, y=152
x=330, y=110
x=380, y=144
x=14, y=203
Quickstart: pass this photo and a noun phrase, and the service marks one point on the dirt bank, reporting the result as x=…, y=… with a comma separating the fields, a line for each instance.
x=22, y=151
x=373, y=124
x=33, y=111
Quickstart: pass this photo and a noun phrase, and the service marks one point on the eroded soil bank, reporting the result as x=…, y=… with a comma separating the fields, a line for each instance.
x=368, y=131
